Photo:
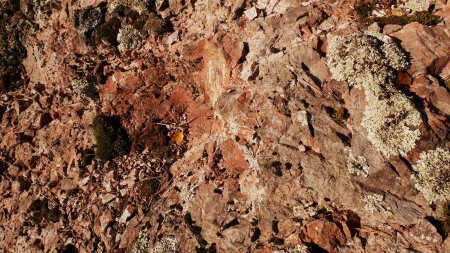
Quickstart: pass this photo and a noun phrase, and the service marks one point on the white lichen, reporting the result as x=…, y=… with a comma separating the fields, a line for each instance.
x=142, y=244
x=375, y=203
x=432, y=176
x=187, y=193
x=84, y=89
x=296, y=249
x=357, y=59
x=301, y=117
x=370, y=61
x=140, y=6
x=357, y=165
x=166, y=245
x=129, y=38
x=388, y=122
x=418, y=5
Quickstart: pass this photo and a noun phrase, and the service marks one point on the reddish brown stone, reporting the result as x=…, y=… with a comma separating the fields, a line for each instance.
x=325, y=234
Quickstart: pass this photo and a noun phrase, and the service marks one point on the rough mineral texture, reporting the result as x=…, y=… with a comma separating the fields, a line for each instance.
x=259, y=126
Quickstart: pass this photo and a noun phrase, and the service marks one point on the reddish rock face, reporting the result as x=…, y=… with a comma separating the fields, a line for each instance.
x=241, y=137
x=233, y=158
x=325, y=234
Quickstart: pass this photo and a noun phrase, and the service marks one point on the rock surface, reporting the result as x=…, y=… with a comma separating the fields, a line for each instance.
x=242, y=138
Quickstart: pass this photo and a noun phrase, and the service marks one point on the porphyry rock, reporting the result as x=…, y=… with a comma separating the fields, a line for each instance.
x=223, y=126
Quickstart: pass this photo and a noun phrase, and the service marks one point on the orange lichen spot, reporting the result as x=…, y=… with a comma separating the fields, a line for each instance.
x=177, y=137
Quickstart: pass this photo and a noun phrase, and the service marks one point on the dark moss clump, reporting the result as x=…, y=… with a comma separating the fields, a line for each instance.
x=41, y=209
x=423, y=17
x=12, y=50
x=148, y=188
x=147, y=23
x=112, y=139
x=363, y=10
x=446, y=221
x=87, y=19
x=9, y=7
x=86, y=88
x=107, y=32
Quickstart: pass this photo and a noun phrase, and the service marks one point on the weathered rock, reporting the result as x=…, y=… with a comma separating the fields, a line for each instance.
x=325, y=234
x=240, y=138
x=418, y=5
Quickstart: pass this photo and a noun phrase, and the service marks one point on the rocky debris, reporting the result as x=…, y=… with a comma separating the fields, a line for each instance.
x=418, y=5
x=86, y=20
x=242, y=131
x=251, y=13
x=325, y=234
x=425, y=233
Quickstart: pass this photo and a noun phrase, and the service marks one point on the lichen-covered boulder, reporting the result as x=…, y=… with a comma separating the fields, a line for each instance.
x=370, y=61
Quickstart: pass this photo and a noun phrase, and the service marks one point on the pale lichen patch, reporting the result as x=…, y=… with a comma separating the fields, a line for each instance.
x=139, y=6
x=129, y=38
x=370, y=61
x=432, y=176
x=375, y=203
x=166, y=245
x=357, y=165
x=389, y=123
x=295, y=249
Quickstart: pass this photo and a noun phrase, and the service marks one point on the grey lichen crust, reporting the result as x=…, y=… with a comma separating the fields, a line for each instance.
x=166, y=245
x=370, y=61
x=140, y=6
x=142, y=244
x=375, y=203
x=129, y=38
x=357, y=165
x=389, y=121
x=296, y=249
x=432, y=176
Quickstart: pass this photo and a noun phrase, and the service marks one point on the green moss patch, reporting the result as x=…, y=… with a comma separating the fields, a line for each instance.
x=13, y=29
x=363, y=11
x=112, y=139
x=424, y=18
